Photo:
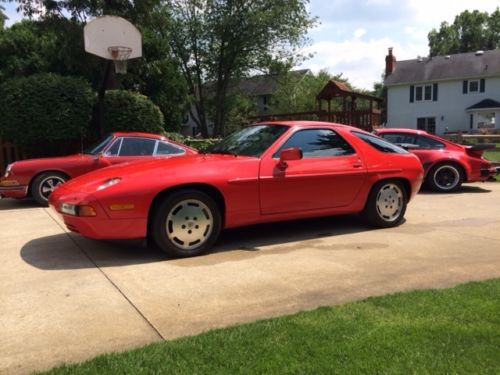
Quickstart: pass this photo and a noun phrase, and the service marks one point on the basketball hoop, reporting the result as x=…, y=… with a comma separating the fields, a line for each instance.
x=120, y=55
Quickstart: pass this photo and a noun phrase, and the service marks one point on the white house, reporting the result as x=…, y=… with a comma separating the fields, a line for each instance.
x=444, y=93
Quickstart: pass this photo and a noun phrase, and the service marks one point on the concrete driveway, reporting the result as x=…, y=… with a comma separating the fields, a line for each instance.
x=66, y=298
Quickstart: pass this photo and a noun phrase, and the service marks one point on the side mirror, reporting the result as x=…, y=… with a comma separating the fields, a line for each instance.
x=287, y=154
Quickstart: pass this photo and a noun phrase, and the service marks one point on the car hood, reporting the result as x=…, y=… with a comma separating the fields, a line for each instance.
x=52, y=161
x=191, y=168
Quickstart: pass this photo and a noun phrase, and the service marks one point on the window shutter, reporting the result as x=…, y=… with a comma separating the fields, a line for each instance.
x=464, y=87
x=412, y=94
x=435, y=92
x=481, y=85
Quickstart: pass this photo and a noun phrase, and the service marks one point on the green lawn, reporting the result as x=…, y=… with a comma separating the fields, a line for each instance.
x=450, y=331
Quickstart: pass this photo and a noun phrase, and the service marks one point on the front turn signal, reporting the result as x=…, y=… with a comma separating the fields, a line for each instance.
x=86, y=211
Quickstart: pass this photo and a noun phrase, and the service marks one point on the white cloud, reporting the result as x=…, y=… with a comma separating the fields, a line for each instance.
x=358, y=33
x=355, y=36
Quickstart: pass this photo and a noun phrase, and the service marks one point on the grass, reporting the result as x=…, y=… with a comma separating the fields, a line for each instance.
x=449, y=331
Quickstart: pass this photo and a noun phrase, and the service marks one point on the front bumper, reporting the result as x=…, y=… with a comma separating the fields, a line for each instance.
x=11, y=190
x=101, y=226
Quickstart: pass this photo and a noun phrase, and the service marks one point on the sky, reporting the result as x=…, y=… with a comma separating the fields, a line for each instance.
x=352, y=36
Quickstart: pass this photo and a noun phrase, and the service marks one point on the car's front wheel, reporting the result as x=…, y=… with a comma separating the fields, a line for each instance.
x=186, y=223
x=44, y=184
x=386, y=205
x=445, y=177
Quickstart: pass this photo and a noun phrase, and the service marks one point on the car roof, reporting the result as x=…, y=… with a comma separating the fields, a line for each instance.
x=401, y=130
x=306, y=123
x=138, y=134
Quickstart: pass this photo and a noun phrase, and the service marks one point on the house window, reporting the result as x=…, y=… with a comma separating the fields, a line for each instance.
x=473, y=86
x=427, y=124
x=423, y=93
x=486, y=120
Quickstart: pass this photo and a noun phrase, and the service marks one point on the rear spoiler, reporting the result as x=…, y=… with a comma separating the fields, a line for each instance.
x=481, y=147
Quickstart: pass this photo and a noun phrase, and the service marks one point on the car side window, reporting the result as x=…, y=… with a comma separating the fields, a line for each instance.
x=428, y=143
x=115, y=148
x=399, y=138
x=316, y=143
x=165, y=148
x=137, y=147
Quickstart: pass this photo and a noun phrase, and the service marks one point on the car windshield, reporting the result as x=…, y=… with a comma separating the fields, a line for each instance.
x=251, y=141
x=99, y=146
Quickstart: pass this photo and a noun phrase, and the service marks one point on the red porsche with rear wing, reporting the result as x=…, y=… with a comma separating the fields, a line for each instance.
x=446, y=164
x=263, y=173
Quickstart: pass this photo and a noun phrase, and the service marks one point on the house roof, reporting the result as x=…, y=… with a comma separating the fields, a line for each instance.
x=486, y=103
x=459, y=66
x=334, y=89
x=263, y=84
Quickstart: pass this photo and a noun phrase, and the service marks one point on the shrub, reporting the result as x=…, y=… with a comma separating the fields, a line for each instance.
x=130, y=111
x=44, y=108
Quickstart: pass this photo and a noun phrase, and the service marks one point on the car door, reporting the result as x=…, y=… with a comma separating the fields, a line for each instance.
x=329, y=174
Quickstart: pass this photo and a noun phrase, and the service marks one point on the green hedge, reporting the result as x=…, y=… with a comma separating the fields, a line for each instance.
x=130, y=111
x=44, y=108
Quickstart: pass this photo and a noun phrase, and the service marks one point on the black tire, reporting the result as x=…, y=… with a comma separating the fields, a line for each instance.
x=386, y=204
x=44, y=184
x=445, y=177
x=186, y=223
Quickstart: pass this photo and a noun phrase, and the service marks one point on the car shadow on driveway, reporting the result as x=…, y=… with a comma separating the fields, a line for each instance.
x=71, y=251
x=464, y=189
x=17, y=204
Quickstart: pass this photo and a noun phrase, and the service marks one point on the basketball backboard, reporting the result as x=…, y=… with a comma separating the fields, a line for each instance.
x=106, y=35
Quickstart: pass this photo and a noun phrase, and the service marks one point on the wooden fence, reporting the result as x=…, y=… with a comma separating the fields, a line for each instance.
x=8, y=154
x=468, y=139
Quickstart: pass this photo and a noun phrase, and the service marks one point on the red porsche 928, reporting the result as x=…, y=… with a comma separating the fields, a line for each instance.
x=263, y=173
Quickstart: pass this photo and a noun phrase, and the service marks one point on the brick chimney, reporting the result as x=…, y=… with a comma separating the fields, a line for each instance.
x=390, y=63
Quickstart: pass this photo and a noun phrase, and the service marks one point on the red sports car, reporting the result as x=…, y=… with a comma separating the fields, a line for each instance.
x=446, y=164
x=265, y=172
x=39, y=177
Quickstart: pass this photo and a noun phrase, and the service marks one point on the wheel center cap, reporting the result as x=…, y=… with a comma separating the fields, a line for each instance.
x=190, y=225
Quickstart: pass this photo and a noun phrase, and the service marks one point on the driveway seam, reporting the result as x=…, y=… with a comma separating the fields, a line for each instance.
x=148, y=322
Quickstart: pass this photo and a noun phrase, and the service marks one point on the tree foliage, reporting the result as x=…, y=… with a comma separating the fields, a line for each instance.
x=3, y=17
x=471, y=31
x=297, y=93
x=44, y=108
x=53, y=45
x=222, y=40
x=129, y=111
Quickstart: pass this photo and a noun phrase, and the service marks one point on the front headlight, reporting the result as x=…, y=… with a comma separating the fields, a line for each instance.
x=8, y=170
x=108, y=183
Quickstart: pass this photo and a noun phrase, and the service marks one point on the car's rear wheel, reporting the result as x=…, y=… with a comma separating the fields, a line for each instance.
x=44, y=184
x=386, y=205
x=186, y=223
x=445, y=177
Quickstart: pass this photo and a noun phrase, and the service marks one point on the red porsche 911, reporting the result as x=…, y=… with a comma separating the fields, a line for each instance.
x=38, y=177
x=263, y=173
x=446, y=164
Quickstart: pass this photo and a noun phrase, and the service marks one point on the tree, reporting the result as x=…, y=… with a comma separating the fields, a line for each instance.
x=471, y=31
x=44, y=108
x=3, y=17
x=297, y=93
x=219, y=41
x=129, y=111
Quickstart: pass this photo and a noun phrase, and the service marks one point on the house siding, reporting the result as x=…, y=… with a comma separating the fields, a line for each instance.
x=449, y=110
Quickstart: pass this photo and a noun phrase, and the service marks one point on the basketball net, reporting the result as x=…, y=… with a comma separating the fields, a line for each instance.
x=120, y=55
